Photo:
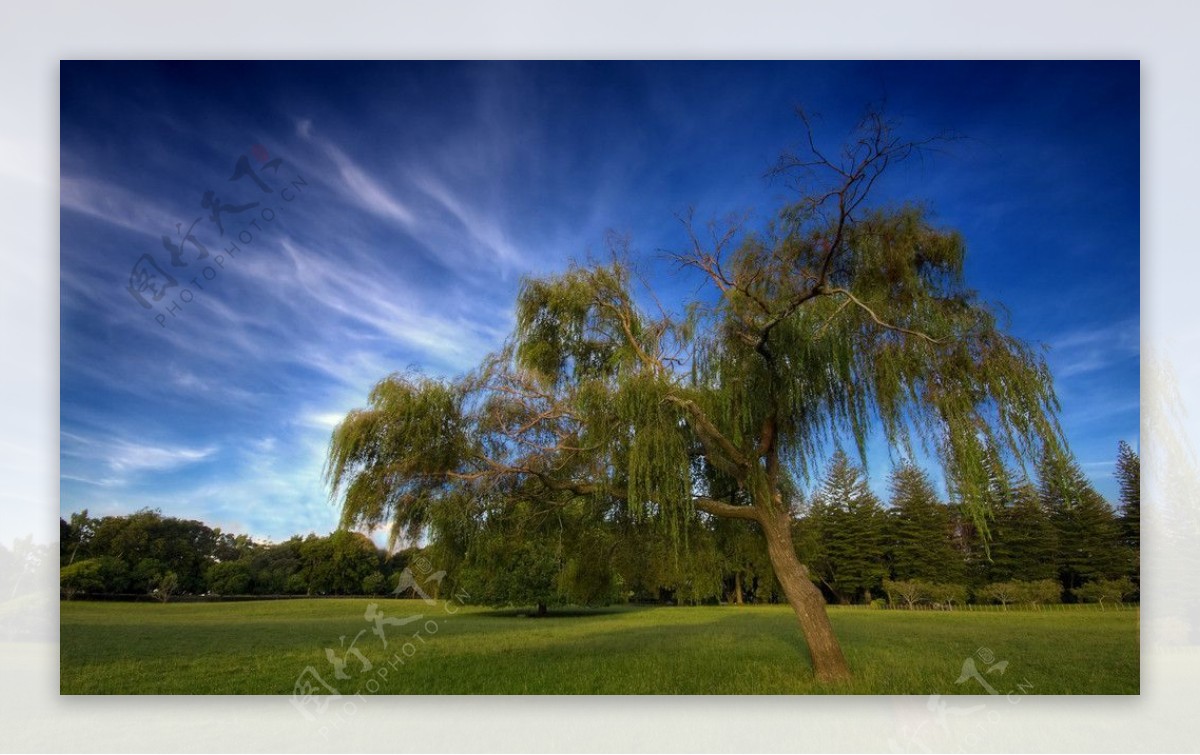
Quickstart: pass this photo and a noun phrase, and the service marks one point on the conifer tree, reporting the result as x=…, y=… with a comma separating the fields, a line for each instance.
x=920, y=531
x=1129, y=475
x=849, y=524
x=1088, y=536
x=1024, y=542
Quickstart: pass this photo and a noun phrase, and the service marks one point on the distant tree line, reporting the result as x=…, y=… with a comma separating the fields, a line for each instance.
x=1053, y=540
x=147, y=553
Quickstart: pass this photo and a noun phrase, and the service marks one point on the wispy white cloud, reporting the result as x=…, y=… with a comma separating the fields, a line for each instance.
x=133, y=457
x=1099, y=468
x=385, y=306
x=483, y=228
x=109, y=202
x=120, y=455
x=457, y=222
x=1084, y=351
x=369, y=192
x=102, y=482
x=323, y=420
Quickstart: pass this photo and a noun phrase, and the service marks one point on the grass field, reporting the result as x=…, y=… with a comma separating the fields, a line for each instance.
x=263, y=647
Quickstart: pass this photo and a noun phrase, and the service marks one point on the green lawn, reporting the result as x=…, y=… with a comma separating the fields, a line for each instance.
x=262, y=647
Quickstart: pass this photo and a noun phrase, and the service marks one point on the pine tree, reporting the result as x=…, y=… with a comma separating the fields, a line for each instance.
x=1024, y=545
x=1129, y=466
x=849, y=521
x=920, y=531
x=1086, y=527
x=1129, y=476
x=974, y=536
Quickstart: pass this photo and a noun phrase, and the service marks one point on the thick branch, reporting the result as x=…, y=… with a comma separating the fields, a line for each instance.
x=712, y=438
x=725, y=510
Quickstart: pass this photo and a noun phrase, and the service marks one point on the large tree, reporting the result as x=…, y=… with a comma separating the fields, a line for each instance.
x=835, y=316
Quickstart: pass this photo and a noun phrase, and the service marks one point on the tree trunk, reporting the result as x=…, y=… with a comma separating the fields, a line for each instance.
x=737, y=587
x=829, y=664
x=541, y=609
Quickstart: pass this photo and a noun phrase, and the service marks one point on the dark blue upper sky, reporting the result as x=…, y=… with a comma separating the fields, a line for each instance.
x=412, y=197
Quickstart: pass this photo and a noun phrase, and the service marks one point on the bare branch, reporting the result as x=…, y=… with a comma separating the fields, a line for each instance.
x=879, y=321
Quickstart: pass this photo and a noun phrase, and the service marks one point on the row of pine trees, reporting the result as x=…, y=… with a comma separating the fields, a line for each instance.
x=1057, y=528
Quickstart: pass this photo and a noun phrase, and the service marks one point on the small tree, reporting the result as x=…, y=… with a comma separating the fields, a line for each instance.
x=81, y=577
x=1039, y=592
x=515, y=573
x=1088, y=533
x=1100, y=590
x=374, y=583
x=919, y=530
x=165, y=586
x=947, y=594
x=229, y=578
x=1025, y=544
x=1129, y=474
x=1002, y=593
x=1129, y=479
x=909, y=591
x=849, y=526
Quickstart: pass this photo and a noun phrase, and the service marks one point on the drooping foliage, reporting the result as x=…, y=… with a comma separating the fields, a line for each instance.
x=394, y=460
x=885, y=330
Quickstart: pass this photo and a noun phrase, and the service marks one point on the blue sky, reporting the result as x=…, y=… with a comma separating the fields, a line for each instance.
x=412, y=197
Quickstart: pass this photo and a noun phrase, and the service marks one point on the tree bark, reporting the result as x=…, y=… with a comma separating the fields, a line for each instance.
x=829, y=664
x=737, y=587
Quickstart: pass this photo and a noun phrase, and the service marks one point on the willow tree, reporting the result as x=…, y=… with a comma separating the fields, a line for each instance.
x=837, y=317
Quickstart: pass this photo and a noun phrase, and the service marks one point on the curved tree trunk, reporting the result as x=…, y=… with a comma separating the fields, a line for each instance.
x=829, y=664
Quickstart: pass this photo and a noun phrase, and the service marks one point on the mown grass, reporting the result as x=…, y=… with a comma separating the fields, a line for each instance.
x=264, y=647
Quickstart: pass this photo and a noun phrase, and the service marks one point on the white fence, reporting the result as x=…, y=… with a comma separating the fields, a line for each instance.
x=985, y=607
